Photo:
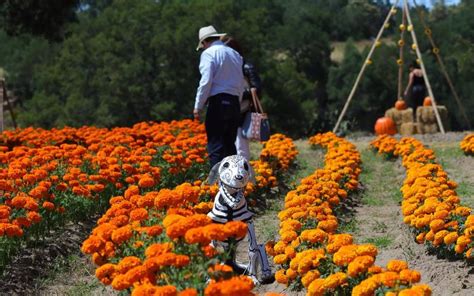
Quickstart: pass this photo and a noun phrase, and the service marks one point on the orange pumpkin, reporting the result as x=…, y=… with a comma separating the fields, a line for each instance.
x=385, y=125
x=400, y=105
x=427, y=102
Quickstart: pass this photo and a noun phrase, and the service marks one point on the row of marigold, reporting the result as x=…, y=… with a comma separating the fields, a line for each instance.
x=158, y=242
x=48, y=175
x=313, y=255
x=430, y=203
x=467, y=144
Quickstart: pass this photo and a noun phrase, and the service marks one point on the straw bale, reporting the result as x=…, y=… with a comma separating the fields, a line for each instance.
x=427, y=114
x=407, y=115
x=400, y=116
x=407, y=129
x=431, y=128
x=394, y=114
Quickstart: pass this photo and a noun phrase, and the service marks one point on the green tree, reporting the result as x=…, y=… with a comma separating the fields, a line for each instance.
x=136, y=61
x=45, y=18
x=375, y=93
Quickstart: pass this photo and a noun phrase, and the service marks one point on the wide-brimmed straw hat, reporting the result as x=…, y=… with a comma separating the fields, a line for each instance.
x=206, y=32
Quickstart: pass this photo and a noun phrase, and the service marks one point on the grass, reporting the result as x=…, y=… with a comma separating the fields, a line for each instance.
x=380, y=242
x=348, y=227
x=459, y=168
x=338, y=48
x=379, y=179
x=71, y=276
x=83, y=289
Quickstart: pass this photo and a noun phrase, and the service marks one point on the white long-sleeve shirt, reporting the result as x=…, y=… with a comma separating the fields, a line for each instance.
x=221, y=72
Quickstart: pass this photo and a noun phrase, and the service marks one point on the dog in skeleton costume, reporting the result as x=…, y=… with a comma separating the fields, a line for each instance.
x=232, y=175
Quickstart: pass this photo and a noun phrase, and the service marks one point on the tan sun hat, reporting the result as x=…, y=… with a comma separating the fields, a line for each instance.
x=206, y=32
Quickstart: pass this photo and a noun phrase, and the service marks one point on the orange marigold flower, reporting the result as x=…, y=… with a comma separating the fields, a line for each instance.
x=188, y=292
x=397, y=265
x=220, y=271
x=92, y=244
x=209, y=251
x=139, y=214
x=106, y=273
x=128, y=263
x=158, y=249
x=122, y=234
x=149, y=289
x=120, y=282
x=146, y=181
x=241, y=285
x=136, y=274
x=281, y=277
x=131, y=190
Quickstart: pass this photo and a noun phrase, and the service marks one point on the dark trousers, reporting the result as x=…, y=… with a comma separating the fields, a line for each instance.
x=418, y=94
x=222, y=121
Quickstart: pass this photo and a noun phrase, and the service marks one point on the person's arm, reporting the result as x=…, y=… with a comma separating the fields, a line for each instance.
x=410, y=82
x=204, y=88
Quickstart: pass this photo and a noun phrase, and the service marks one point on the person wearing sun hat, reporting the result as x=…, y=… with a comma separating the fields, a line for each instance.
x=221, y=86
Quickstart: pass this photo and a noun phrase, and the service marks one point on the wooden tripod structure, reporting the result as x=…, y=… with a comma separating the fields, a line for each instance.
x=410, y=28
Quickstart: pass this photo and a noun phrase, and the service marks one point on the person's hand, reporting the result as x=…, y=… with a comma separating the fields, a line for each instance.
x=196, y=114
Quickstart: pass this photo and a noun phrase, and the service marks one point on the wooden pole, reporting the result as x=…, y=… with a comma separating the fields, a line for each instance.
x=366, y=62
x=401, y=62
x=443, y=68
x=418, y=53
x=2, y=87
x=9, y=105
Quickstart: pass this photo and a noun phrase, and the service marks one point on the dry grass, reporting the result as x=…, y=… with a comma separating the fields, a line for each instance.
x=338, y=47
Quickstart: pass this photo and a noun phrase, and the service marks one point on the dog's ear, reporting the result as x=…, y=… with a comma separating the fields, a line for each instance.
x=252, y=175
x=214, y=174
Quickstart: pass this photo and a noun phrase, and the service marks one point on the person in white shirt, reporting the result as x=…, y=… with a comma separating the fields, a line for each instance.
x=222, y=84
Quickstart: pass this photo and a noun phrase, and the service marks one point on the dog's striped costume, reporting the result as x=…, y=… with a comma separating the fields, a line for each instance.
x=221, y=211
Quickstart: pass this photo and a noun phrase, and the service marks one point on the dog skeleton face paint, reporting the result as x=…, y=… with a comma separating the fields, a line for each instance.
x=233, y=171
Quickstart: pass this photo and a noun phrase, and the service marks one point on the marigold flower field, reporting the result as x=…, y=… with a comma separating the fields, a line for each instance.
x=431, y=206
x=147, y=186
x=311, y=252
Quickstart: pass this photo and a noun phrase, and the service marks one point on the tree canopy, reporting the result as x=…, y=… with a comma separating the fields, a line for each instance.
x=117, y=62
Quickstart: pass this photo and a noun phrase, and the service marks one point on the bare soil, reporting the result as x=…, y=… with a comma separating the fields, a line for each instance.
x=35, y=270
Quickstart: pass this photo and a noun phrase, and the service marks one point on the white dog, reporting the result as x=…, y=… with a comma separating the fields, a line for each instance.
x=232, y=174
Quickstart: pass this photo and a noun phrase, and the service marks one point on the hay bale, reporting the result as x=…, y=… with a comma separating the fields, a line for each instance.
x=407, y=115
x=400, y=116
x=416, y=128
x=394, y=114
x=431, y=128
x=426, y=115
x=407, y=129
x=427, y=128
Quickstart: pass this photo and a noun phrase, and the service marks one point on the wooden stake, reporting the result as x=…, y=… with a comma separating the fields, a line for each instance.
x=359, y=76
x=418, y=53
x=400, y=66
x=443, y=68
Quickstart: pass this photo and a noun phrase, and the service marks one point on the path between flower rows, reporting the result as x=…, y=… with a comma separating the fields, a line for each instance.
x=267, y=225
x=379, y=220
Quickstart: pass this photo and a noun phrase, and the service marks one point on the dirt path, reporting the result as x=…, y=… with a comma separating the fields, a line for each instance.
x=267, y=225
x=379, y=221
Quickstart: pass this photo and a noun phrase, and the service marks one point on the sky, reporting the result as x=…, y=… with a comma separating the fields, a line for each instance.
x=428, y=3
